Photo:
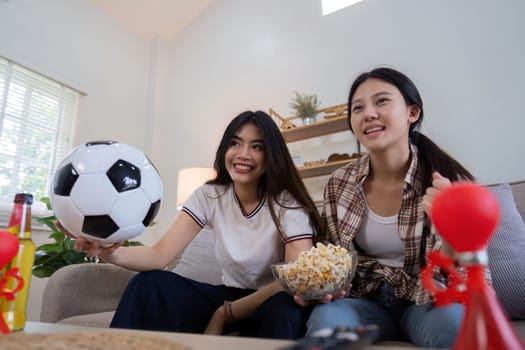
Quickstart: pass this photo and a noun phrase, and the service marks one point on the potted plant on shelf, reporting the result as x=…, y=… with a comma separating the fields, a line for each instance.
x=305, y=106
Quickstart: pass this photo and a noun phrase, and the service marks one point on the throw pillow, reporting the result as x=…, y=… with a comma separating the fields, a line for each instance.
x=506, y=251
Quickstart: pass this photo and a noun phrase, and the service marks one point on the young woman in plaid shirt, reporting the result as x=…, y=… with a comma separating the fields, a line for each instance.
x=378, y=206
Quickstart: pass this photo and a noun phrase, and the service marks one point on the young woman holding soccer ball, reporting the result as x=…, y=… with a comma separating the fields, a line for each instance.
x=260, y=213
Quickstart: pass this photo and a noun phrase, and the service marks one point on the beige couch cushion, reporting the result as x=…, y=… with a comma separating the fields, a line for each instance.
x=82, y=289
x=99, y=319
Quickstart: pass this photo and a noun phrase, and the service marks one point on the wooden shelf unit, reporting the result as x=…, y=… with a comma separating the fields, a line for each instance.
x=333, y=119
x=323, y=169
x=320, y=128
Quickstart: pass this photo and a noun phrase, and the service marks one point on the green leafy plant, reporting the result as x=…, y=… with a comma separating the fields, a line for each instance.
x=50, y=257
x=305, y=106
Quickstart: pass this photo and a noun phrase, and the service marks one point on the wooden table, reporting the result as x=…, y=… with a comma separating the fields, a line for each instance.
x=193, y=341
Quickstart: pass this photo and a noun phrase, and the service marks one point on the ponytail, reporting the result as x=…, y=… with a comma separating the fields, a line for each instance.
x=432, y=158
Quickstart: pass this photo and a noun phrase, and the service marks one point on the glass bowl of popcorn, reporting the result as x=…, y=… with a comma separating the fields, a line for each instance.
x=324, y=269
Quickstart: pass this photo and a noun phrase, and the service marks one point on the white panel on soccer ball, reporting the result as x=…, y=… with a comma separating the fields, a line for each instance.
x=130, y=208
x=64, y=208
x=151, y=183
x=126, y=233
x=131, y=155
x=93, y=194
x=94, y=158
x=69, y=157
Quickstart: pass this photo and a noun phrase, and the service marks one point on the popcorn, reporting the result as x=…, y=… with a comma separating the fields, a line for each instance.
x=322, y=270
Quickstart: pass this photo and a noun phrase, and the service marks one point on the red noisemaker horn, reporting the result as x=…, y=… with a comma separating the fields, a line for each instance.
x=466, y=215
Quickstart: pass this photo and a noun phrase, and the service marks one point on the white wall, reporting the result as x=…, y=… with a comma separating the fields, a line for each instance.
x=173, y=99
x=74, y=43
x=466, y=57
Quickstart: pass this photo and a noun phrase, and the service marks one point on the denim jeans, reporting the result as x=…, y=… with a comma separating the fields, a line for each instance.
x=424, y=325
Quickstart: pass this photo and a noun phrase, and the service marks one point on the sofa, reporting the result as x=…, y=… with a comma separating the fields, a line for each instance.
x=87, y=294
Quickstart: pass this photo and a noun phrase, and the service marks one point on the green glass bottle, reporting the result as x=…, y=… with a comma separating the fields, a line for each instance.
x=14, y=312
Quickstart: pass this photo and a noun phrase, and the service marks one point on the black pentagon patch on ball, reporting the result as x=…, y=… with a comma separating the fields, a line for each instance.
x=124, y=176
x=64, y=180
x=102, y=142
x=152, y=212
x=101, y=226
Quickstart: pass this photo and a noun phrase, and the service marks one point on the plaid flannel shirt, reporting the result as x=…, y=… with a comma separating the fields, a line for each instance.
x=345, y=208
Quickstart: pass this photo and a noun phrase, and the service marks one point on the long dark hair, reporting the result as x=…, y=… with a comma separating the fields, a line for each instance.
x=280, y=173
x=430, y=156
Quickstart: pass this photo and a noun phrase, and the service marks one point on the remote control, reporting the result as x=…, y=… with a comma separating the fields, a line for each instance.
x=339, y=338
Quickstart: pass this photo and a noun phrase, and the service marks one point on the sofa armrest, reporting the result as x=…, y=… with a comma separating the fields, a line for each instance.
x=83, y=289
x=518, y=192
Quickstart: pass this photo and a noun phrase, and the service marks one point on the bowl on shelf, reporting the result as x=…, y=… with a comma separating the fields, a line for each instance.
x=324, y=269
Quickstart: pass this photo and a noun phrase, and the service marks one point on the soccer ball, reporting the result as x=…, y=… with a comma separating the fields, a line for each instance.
x=105, y=190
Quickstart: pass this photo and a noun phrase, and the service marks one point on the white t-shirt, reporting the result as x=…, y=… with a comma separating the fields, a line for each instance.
x=246, y=245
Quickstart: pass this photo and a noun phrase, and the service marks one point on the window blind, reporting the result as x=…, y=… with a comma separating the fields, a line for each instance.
x=37, y=124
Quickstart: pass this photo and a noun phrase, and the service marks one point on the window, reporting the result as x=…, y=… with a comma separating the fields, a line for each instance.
x=330, y=6
x=37, y=123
